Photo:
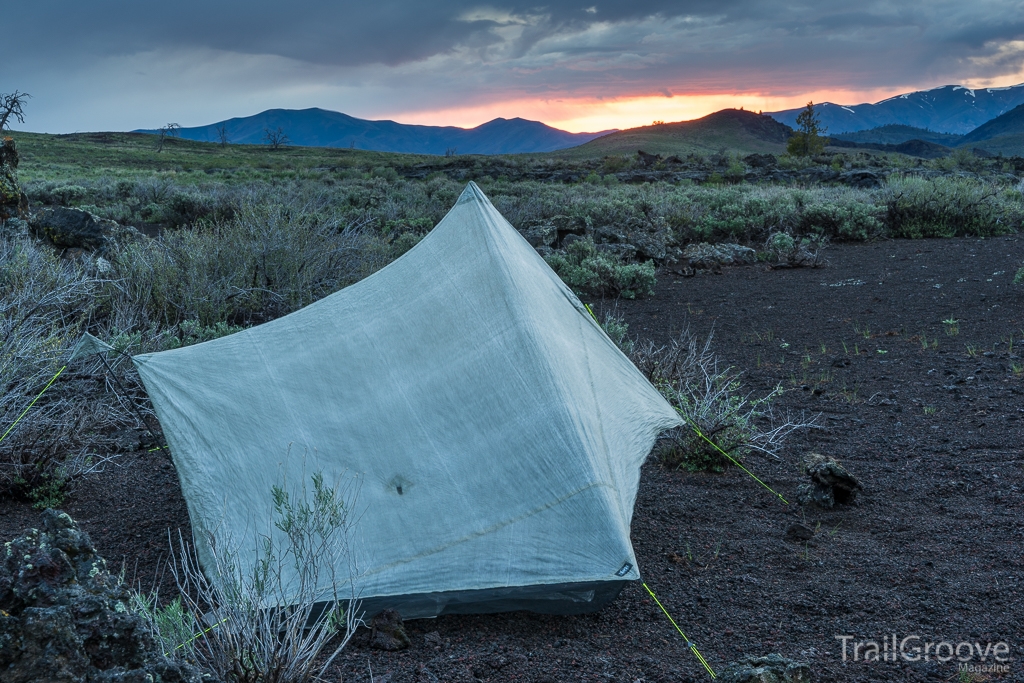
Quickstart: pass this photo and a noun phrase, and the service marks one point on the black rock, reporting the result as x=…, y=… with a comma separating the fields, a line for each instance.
x=861, y=178
x=13, y=202
x=761, y=161
x=647, y=160
x=773, y=668
x=830, y=483
x=64, y=617
x=387, y=632
x=69, y=228
x=798, y=533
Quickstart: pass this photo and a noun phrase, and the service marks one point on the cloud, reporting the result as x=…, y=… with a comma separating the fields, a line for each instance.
x=199, y=61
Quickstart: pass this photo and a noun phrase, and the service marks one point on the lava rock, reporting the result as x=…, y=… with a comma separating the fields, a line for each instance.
x=861, y=178
x=765, y=161
x=647, y=160
x=73, y=229
x=541, y=235
x=621, y=252
x=704, y=256
x=13, y=202
x=830, y=483
x=798, y=533
x=13, y=228
x=817, y=174
x=387, y=632
x=570, y=225
x=64, y=617
x=773, y=668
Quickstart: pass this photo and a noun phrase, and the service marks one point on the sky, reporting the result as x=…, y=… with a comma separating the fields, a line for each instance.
x=582, y=66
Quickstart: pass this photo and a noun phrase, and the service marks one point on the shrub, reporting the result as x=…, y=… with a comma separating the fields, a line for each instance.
x=946, y=207
x=189, y=207
x=44, y=305
x=274, y=612
x=710, y=401
x=585, y=270
x=618, y=331
x=267, y=261
x=842, y=219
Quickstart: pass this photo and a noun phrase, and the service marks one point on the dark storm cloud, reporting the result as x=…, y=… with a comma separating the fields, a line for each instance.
x=399, y=31
x=406, y=55
x=353, y=33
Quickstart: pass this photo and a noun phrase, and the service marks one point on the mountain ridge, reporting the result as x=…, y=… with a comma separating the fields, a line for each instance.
x=316, y=127
x=945, y=109
x=732, y=129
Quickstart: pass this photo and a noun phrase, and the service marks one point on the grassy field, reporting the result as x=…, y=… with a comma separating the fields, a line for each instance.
x=87, y=156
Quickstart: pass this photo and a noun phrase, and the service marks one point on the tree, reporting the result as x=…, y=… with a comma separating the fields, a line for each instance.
x=275, y=138
x=222, y=135
x=170, y=130
x=808, y=139
x=11, y=105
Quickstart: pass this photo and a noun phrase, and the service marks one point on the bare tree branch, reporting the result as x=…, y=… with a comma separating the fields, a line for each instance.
x=11, y=104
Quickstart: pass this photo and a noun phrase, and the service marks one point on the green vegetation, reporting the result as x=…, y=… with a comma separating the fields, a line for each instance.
x=584, y=269
x=249, y=641
x=807, y=140
x=711, y=401
x=948, y=207
x=735, y=130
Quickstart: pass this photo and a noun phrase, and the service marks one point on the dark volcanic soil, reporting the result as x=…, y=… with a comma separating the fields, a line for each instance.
x=930, y=421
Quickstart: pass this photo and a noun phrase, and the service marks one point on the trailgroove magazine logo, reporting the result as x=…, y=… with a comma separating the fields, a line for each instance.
x=970, y=656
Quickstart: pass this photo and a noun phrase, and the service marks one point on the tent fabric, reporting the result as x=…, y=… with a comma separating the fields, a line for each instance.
x=89, y=345
x=496, y=432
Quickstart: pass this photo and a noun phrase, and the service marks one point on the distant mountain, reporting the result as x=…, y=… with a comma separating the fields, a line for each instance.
x=323, y=128
x=735, y=130
x=949, y=109
x=1010, y=124
x=895, y=134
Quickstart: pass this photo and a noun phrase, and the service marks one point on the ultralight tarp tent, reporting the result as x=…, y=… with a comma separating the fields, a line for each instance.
x=496, y=430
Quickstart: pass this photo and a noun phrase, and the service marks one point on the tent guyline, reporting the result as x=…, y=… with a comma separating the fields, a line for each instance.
x=689, y=643
x=714, y=445
x=24, y=412
x=89, y=345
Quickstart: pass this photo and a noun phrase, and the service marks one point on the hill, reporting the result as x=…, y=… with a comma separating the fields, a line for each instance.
x=322, y=128
x=1003, y=134
x=735, y=130
x=896, y=134
x=948, y=109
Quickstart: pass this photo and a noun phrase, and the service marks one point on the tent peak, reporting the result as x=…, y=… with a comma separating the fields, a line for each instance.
x=473, y=193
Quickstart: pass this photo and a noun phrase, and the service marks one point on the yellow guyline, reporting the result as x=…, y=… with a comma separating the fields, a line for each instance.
x=52, y=380
x=689, y=643
x=714, y=445
x=198, y=635
x=734, y=461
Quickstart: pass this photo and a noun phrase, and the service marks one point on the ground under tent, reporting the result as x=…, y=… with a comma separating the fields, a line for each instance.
x=495, y=431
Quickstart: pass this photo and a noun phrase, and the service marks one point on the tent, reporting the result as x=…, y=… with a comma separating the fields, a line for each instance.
x=497, y=432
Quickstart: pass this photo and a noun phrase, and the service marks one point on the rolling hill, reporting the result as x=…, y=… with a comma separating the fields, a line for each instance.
x=735, y=130
x=1003, y=134
x=948, y=109
x=323, y=128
